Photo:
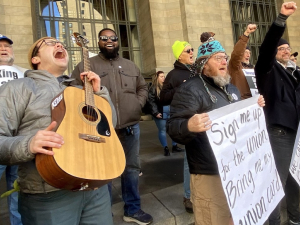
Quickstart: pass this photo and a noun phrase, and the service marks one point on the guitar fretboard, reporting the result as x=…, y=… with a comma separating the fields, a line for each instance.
x=89, y=93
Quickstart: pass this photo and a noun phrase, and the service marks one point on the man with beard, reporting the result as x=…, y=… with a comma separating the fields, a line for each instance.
x=128, y=91
x=26, y=130
x=279, y=81
x=9, y=72
x=209, y=89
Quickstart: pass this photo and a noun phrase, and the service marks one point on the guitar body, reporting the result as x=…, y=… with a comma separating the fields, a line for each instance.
x=92, y=154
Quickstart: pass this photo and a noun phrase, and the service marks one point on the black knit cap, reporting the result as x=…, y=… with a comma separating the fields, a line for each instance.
x=282, y=42
x=295, y=54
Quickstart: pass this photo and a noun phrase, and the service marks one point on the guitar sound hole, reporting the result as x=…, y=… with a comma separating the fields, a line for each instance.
x=90, y=113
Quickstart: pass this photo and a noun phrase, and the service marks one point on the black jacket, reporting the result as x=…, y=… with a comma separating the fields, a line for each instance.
x=191, y=98
x=156, y=106
x=276, y=84
x=174, y=79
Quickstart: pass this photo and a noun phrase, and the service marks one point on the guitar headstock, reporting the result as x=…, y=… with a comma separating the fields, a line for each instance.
x=79, y=40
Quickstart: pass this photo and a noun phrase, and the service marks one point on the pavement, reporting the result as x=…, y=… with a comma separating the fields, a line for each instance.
x=161, y=185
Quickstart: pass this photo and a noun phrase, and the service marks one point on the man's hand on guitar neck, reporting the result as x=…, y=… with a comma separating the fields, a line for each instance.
x=94, y=78
x=46, y=138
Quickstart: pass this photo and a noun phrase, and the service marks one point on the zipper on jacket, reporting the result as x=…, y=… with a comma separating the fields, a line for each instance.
x=117, y=100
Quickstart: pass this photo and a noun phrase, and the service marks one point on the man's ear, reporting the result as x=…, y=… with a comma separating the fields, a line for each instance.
x=35, y=60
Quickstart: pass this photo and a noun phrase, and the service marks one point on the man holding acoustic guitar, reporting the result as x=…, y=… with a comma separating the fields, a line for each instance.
x=26, y=132
x=128, y=91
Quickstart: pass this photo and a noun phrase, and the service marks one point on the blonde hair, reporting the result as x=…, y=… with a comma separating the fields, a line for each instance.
x=156, y=84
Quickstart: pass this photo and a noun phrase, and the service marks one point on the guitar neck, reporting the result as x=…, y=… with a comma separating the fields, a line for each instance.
x=88, y=87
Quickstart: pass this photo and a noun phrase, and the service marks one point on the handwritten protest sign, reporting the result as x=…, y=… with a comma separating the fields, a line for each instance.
x=295, y=162
x=250, y=76
x=240, y=142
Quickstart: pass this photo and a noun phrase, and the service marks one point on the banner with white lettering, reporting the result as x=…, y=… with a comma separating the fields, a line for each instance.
x=8, y=73
x=251, y=79
x=240, y=142
x=295, y=162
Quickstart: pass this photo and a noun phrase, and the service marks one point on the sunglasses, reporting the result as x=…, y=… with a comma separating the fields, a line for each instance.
x=105, y=38
x=189, y=50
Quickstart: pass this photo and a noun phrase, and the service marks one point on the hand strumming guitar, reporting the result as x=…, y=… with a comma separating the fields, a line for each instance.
x=46, y=138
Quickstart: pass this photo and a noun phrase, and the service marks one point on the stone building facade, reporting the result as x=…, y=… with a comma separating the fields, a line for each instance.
x=160, y=23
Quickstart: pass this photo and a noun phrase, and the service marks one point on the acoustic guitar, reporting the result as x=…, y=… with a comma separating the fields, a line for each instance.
x=92, y=154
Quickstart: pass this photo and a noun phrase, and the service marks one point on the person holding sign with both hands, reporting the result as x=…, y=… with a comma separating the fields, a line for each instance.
x=209, y=89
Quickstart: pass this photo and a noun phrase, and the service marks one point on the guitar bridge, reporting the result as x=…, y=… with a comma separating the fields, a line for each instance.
x=91, y=138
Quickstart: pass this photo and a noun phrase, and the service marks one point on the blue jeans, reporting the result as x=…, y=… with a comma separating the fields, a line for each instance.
x=161, y=125
x=12, y=200
x=130, y=176
x=66, y=207
x=162, y=135
x=282, y=142
x=186, y=178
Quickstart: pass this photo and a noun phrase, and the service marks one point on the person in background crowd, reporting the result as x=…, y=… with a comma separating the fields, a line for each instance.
x=208, y=90
x=240, y=59
x=128, y=91
x=9, y=71
x=26, y=130
x=183, y=53
x=159, y=112
x=293, y=57
x=278, y=81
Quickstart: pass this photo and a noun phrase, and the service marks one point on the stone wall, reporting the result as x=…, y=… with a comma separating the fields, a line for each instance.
x=293, y=31
x=182, y=20
x=161, y=22
x=16, y=23
x=214, y=16
x=146, y=38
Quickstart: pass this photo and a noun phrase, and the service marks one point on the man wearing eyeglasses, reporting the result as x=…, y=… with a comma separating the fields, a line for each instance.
x=26, y=130
x=278, y=80
x=207, y=90
x=8, y=72
x=128, y=91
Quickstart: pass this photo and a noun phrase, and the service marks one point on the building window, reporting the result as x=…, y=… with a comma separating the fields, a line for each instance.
x=261, y=13
x=88, y=17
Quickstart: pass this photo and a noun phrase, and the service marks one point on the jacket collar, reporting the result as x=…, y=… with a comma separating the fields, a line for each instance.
x=40, y=75
x=46, y=76
x=290, y=64
x=180, y=66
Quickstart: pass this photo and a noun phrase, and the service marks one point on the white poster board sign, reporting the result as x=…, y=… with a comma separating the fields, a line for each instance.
x=8, y=73
x=295, y=162
x=240, y=142
x=251, y=79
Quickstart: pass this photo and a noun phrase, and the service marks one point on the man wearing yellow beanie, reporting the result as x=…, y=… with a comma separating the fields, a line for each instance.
x=27, y=130
x=183, y=53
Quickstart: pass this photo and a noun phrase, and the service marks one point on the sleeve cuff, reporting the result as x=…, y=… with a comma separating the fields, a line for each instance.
x=280, y=20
